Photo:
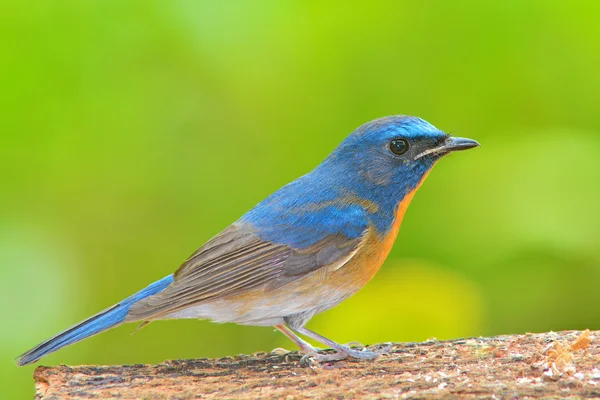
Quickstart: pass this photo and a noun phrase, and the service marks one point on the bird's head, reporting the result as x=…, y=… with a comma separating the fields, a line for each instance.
x=371, y=175
x=394, y=153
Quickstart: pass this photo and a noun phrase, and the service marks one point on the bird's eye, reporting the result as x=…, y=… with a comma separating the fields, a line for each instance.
x=399, y=146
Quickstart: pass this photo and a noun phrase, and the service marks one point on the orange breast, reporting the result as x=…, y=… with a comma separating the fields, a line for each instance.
x=388, y=242
x=375, y=248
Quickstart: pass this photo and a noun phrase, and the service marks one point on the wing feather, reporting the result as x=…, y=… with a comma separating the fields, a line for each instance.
x=237, y=261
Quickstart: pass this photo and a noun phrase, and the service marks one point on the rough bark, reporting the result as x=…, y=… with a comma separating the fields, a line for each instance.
x=565, y=365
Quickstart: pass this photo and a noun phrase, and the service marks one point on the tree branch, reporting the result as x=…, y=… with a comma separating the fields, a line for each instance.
x=551, y=364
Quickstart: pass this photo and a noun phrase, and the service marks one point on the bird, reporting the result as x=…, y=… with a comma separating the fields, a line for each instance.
x=303, y=250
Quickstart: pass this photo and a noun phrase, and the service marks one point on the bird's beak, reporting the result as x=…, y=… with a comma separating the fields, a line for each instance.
x=457, y=144
x=450, y=144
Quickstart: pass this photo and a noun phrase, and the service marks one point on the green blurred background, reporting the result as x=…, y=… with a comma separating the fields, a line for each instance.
x=132, y=132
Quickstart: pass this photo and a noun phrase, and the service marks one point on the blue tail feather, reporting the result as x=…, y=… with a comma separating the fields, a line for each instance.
x=100, y=322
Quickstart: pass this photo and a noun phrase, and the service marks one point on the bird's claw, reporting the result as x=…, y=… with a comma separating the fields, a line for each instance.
x=384, y=350
x=346, y=353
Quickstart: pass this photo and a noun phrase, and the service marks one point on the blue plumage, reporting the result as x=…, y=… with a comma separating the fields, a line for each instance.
x=100, y=322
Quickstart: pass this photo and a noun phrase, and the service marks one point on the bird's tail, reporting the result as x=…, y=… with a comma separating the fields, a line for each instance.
x=100, y=322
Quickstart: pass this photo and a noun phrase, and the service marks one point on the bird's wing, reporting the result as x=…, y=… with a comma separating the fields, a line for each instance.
x=238, y=260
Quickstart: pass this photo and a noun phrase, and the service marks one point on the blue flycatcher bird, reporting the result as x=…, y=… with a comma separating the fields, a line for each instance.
x=301, y=251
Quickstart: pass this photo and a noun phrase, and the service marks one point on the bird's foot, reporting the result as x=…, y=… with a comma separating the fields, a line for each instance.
x=363, y=354
x=345, y=352
x=321, y=358
x=383, y=349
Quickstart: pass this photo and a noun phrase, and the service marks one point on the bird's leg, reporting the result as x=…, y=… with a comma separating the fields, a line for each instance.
x=304, y=346
x=342, y=351
x=308, y=349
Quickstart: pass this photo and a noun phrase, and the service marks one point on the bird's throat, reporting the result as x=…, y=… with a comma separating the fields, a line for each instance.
x=390, y=237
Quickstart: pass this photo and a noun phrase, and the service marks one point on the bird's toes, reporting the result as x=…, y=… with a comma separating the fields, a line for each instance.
x=310, y=359
x=384, y=350
x=365, y=354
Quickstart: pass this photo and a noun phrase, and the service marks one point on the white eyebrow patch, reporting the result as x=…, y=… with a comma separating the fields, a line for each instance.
x=429, y=151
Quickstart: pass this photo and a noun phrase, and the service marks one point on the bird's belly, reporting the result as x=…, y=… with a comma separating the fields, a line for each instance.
x=268, y=308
